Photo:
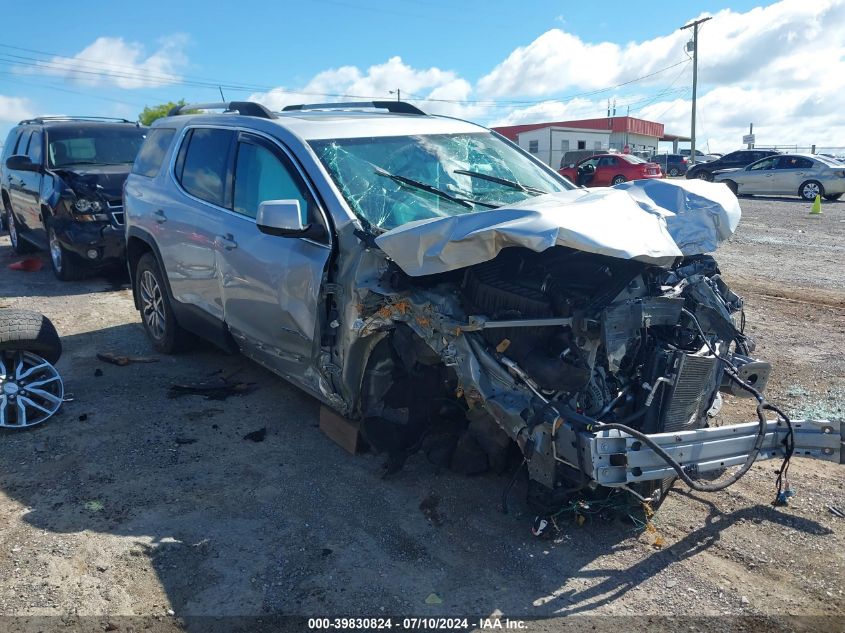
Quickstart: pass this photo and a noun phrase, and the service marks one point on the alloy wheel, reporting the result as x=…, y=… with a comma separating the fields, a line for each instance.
x=810, y=191
x=31, y=390
x=152, y=305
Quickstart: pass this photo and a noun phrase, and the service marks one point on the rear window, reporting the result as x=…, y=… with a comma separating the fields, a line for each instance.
x=632, y=159
x=204, y=169
x=149, y=159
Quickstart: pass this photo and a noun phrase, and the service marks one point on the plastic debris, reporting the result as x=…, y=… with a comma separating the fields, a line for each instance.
x=28, y=265
x=94, y=505
x=836, y=512
x=433, y=598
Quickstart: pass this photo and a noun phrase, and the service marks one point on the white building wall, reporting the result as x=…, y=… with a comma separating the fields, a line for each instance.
x=637, y=142
x=549, y=144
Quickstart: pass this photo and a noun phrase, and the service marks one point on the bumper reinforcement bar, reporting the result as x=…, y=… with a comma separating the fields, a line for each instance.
x=618, y=459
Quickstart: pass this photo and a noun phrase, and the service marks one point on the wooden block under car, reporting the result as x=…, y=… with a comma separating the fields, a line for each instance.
x=345, y=433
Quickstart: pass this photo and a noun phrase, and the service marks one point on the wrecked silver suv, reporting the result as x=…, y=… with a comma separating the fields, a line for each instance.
x=427, y=278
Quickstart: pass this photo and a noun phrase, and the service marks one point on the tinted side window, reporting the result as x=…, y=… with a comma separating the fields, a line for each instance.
x=35, y=150
x=262, y=174
x=23, y=142
x=206, y=164
x=149, y=159
x=11, y=143
x=733, y=157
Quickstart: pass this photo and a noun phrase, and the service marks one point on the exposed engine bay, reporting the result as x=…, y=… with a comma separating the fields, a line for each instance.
x=542, y=350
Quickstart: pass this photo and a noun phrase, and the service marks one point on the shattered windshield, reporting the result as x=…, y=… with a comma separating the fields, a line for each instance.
x=389, y=181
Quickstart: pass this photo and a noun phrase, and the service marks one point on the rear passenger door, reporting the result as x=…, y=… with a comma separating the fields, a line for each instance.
x=790, y=172
x=606, y=169
x=188, y=227
x=271, y=285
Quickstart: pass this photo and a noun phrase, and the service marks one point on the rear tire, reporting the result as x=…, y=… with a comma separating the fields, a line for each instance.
x=833, y=197
x=20, y=246
x=810, y=189
x=66, y=266
x=160, y=324
x=674, y=172
x=618, y=180
x=24, y=330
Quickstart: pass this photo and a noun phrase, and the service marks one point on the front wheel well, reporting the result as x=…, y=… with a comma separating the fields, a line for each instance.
x=135, y=249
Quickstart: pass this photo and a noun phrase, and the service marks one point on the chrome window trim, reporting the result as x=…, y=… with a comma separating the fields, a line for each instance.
x=171, y=170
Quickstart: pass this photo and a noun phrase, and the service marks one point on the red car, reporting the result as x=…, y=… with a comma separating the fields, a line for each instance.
x=605, y=170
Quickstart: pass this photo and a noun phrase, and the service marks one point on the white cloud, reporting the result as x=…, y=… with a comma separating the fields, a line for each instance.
x=781, y=67
x=112, y=61
x=14, y=109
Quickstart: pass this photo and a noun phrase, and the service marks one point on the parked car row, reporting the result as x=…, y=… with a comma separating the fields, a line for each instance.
x=806, y=175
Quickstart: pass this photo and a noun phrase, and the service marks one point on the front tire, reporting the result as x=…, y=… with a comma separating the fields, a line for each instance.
x=703, y=175
x=618, y=180
x=160, y=324
x=810, y=189
x=66, y=266
x=732, y=186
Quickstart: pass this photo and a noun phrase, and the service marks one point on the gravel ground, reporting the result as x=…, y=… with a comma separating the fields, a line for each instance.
x=134, y=503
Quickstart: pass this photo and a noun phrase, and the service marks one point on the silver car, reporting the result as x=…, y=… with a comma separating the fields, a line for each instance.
x=448, y=292
x=804, y=175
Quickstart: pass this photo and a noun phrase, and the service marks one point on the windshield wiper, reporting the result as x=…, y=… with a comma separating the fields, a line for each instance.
x=501, y=181
x=410, y=182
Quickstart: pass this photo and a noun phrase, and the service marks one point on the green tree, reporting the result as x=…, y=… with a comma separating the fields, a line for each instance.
x=151, y=113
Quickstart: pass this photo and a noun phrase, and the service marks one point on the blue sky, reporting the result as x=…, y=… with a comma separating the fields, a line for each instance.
x=458, y=53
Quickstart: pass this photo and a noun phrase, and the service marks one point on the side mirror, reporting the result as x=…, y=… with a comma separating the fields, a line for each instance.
x=283, y=218
x=20, y=162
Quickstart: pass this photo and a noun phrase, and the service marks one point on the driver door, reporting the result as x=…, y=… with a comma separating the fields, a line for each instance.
x=271, y=286
x=587, y=172
x=757, y=177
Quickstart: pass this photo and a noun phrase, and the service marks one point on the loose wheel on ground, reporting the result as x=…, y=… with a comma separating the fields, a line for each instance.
x=31, y=332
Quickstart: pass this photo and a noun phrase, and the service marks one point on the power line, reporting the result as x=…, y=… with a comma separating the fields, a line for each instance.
x=89, y=68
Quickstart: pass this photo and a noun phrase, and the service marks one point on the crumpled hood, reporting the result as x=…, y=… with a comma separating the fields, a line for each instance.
x=106, y=180
x=654, y=221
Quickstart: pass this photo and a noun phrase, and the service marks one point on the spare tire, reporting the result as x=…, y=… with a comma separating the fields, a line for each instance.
x=31, y=332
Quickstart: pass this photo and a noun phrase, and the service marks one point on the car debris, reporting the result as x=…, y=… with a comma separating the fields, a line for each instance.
x=257, y=436
x=122, y=361
x=436, y=274
x=214, y=389
x=31, y=389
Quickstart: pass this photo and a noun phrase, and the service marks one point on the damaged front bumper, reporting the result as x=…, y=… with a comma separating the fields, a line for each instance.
x=99, y=243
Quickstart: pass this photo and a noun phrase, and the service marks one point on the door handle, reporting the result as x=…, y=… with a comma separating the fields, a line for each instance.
x=160, y=217
x=225, y=241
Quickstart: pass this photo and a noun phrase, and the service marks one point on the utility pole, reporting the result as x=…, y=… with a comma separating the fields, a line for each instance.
x=398, y=92
x=694, y=26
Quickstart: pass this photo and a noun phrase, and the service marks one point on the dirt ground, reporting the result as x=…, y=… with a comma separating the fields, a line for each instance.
x=130, y=502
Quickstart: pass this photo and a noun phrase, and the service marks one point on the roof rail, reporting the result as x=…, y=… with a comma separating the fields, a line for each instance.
x=245, y=108
x=394, y=107
x=104, y=119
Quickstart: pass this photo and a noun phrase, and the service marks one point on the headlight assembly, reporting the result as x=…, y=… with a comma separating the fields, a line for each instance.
x=86, y=205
